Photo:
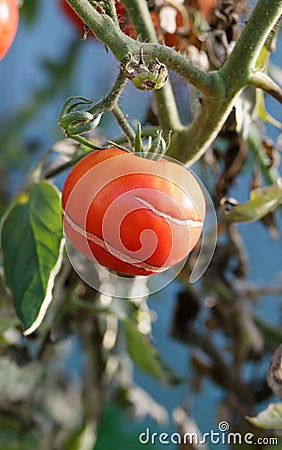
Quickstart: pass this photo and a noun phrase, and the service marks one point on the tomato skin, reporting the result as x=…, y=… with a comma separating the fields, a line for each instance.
x=130, y=213
x=206, y=7
x=9, y=19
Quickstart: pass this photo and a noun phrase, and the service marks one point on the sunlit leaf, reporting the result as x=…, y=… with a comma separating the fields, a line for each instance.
x=32, y=252
x=261, y=202
x=269, y=418
x=145, y=355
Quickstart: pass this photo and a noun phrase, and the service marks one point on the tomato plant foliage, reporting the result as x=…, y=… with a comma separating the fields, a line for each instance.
x=218, y=55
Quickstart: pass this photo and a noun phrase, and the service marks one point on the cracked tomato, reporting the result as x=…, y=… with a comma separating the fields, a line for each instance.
x=130, y=214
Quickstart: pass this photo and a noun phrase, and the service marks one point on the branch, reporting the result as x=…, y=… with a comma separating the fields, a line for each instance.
x=190, y=144
x=165, y=101
x=124, y=125
x=110, y=34
x=219, y=89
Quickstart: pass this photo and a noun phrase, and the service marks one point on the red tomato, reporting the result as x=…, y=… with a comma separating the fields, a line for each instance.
x=206, y=7
x=132, y=215
x=9, y=18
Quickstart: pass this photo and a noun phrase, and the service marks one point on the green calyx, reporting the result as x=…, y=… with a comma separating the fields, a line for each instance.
x=146, y=77
x=153, y=148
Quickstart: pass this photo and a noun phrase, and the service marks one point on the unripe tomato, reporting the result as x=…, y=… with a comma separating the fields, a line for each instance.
x=9, y=18
x=132, y=215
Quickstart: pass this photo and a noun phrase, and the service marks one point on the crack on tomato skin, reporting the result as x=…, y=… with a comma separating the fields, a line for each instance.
x=190, y=222
x=111, y=249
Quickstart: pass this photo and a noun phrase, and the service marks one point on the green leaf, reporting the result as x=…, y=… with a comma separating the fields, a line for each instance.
x=145, y=355
x=32, y=252
x=262, y=201
x=271, y=417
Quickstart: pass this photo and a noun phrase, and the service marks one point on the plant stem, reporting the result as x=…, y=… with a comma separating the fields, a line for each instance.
x=124, y=125
x=165, y=101
x=107, y=31
x=190, y=144
x=220, y=88
x=110, y=100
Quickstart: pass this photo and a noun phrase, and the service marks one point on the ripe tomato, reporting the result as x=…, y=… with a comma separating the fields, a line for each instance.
x=206, y=7
x=9, y=18
x=133, y=215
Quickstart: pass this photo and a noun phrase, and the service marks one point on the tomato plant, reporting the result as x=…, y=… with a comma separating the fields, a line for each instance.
x=134, y=215
x=135, y=212
x=206, y=7
x=9, y=18
x=124, y=21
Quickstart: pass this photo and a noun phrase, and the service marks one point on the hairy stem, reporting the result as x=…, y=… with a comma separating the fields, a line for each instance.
x=107, y=31
x=123, y=123
x=164, y=98
x=190, y=144
x=110, y=100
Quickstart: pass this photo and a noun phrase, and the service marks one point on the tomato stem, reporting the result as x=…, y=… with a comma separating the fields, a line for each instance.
x=123, y=123
x=110, y=100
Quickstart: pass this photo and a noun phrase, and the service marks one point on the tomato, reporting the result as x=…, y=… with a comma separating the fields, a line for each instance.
x=9, y=18
x=130, y=214
x=206, y=7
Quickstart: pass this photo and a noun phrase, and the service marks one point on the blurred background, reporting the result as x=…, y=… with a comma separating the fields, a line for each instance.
x=47, y=63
